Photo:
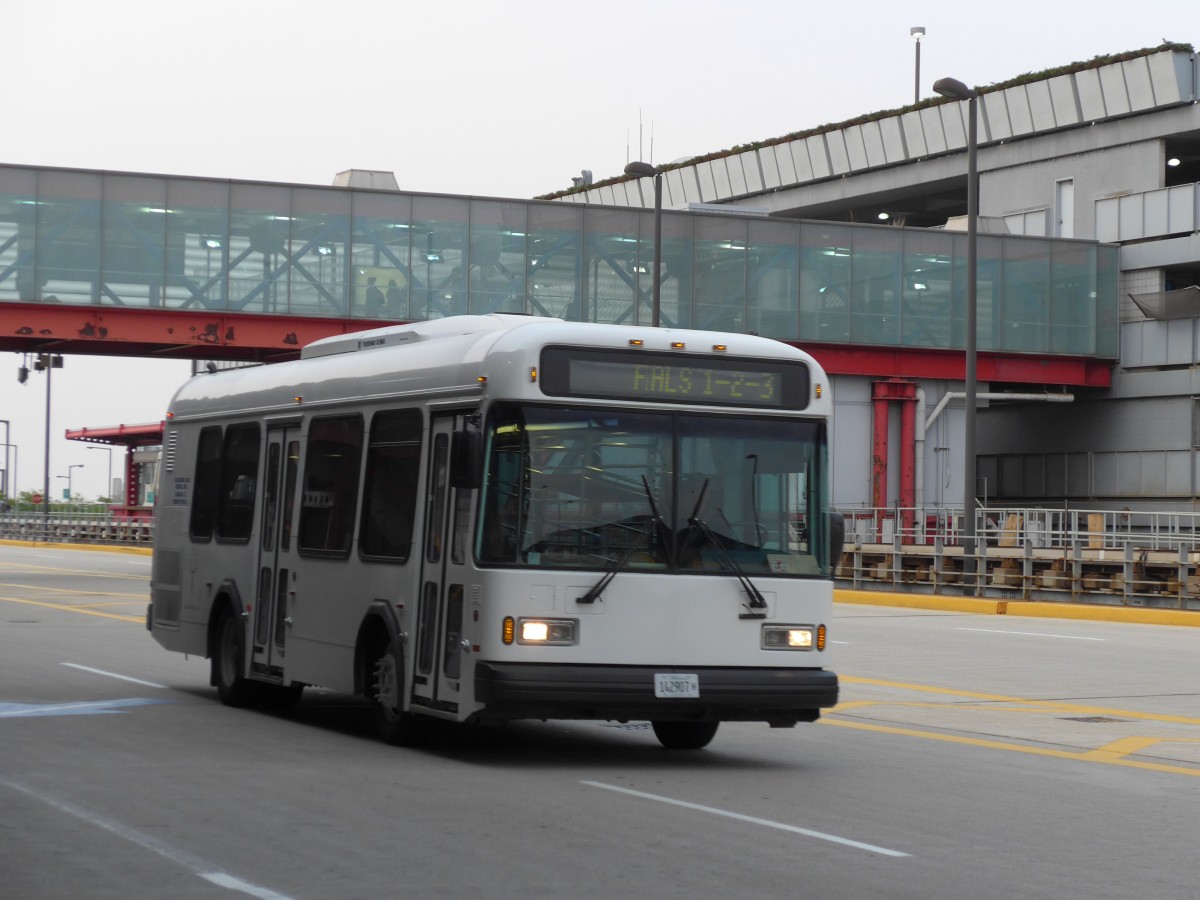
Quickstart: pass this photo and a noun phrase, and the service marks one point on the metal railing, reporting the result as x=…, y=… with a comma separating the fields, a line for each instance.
x=1013, y=526
x=1094, y=556
x=71, y=527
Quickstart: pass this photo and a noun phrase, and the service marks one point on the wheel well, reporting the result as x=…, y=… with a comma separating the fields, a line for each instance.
x=227, y=599
x=221, y=606
x=373, y=639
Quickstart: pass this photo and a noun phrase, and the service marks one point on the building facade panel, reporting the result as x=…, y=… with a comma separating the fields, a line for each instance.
x=1116, y=93
x=892, y=134
x=1065, y=101
x=1091, y=95
x=1041, y=106
x=768, y=165
x=1138, y=84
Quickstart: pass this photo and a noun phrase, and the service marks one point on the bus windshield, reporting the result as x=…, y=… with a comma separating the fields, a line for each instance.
x=669, y=491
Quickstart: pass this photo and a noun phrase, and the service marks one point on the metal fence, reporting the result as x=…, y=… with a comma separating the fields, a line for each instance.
x=68, y=527
x=1013, y=526
x=1091, y=556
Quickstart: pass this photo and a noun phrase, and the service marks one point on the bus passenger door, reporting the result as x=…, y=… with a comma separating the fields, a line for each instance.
x=276, y=550
x=441, y=664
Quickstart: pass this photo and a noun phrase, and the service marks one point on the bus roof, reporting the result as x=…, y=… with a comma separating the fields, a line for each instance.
x=446, y=357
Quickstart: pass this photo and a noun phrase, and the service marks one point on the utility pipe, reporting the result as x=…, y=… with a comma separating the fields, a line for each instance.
x=924, y=423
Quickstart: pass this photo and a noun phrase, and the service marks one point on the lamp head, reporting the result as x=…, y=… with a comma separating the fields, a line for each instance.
x=954, y=89
x=641, y=169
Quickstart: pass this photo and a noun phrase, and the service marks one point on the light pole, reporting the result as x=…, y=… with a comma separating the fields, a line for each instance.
x=917, y=32
x=645, y=170
x=108, y=491
x=956, y=90
x=11, y=480
x=70, y=493
x=4, y=486
x=45, y=362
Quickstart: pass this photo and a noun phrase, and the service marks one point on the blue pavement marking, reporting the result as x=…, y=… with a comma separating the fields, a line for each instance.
x=80, y=708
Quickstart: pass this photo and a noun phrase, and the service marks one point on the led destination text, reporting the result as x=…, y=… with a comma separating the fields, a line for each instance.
x=647, y=376
x=716, y=384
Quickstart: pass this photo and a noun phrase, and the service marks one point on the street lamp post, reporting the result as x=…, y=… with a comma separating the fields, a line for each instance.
x=11, y=479
x=645, y=170
x=917, y=33
x=956, y=90
x=7, y=475
x=70, y=493
x=108, y=491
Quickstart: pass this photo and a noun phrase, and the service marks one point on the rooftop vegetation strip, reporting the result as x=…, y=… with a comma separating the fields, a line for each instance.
x=1026, y=78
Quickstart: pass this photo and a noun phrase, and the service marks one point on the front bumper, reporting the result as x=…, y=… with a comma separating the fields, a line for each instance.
x=778, y=696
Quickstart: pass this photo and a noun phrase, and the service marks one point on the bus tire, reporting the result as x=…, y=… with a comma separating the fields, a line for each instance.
x=684, y=735
x=385, y=690
x=228, y=649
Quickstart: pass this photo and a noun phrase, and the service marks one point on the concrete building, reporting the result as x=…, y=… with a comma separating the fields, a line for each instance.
x=1107, y=150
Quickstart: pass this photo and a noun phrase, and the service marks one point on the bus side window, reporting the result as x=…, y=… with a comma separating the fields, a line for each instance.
x=206, y=484
x=239, y=470
x=390, y=490
x=330, y=492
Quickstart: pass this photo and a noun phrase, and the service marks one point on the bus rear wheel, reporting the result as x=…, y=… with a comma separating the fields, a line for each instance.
x=684, y=735
x=385, y=692
x=232, y=688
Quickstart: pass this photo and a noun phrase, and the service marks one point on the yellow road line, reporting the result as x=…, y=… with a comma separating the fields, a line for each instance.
x=59, y=570
x=1057, y=705
x=1125, y=746
x=77, y=593
x=1078, y=756
x=82, y=610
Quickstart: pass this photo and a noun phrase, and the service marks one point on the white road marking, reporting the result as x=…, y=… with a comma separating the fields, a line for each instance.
x=1065, y=637
x=198, y=866
x=82, y=708
x=114, y=675
x=795, y=829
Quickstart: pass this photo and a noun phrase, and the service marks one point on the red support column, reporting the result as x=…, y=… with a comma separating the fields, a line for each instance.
x=883, y=393
x=879, y=450
x=908, y=452
x=132, y=487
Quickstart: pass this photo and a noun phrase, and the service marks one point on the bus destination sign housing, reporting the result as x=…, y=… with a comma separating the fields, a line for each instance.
x=674, y=378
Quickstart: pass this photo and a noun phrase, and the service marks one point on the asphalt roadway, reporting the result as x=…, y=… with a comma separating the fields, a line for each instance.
x=973, y=755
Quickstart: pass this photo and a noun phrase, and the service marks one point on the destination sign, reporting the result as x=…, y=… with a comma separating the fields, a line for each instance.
x=659, y=377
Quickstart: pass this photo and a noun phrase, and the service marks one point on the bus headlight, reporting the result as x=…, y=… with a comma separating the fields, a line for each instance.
x=555, y=632
x=787, y=637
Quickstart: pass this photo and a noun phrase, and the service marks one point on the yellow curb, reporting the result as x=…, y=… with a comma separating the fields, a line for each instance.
x=103, y=548
x=1136, y=615
x=1044, y=610
x=981, y=605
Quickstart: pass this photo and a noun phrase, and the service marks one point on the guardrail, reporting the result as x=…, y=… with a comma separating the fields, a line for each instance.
x=1094, y=556
x=1045, y=528
x=84, y=528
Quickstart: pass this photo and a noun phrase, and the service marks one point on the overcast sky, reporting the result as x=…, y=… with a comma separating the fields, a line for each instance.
x=493, y=99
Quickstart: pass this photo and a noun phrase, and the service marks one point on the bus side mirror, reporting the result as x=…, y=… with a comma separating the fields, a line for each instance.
x=837, y=539
x=466, y=460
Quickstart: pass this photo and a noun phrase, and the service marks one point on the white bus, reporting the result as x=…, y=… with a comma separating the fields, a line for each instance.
x=487, y=518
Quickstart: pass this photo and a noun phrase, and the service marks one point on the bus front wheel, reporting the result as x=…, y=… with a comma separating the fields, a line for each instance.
x=684, y=735
x=232, y=688
x=395, y=726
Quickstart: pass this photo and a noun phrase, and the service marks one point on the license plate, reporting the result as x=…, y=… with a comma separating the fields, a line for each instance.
x=672, y=684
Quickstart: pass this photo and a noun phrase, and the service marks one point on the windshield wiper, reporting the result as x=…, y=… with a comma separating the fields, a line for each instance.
x=757, y=604
x=616, y=565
